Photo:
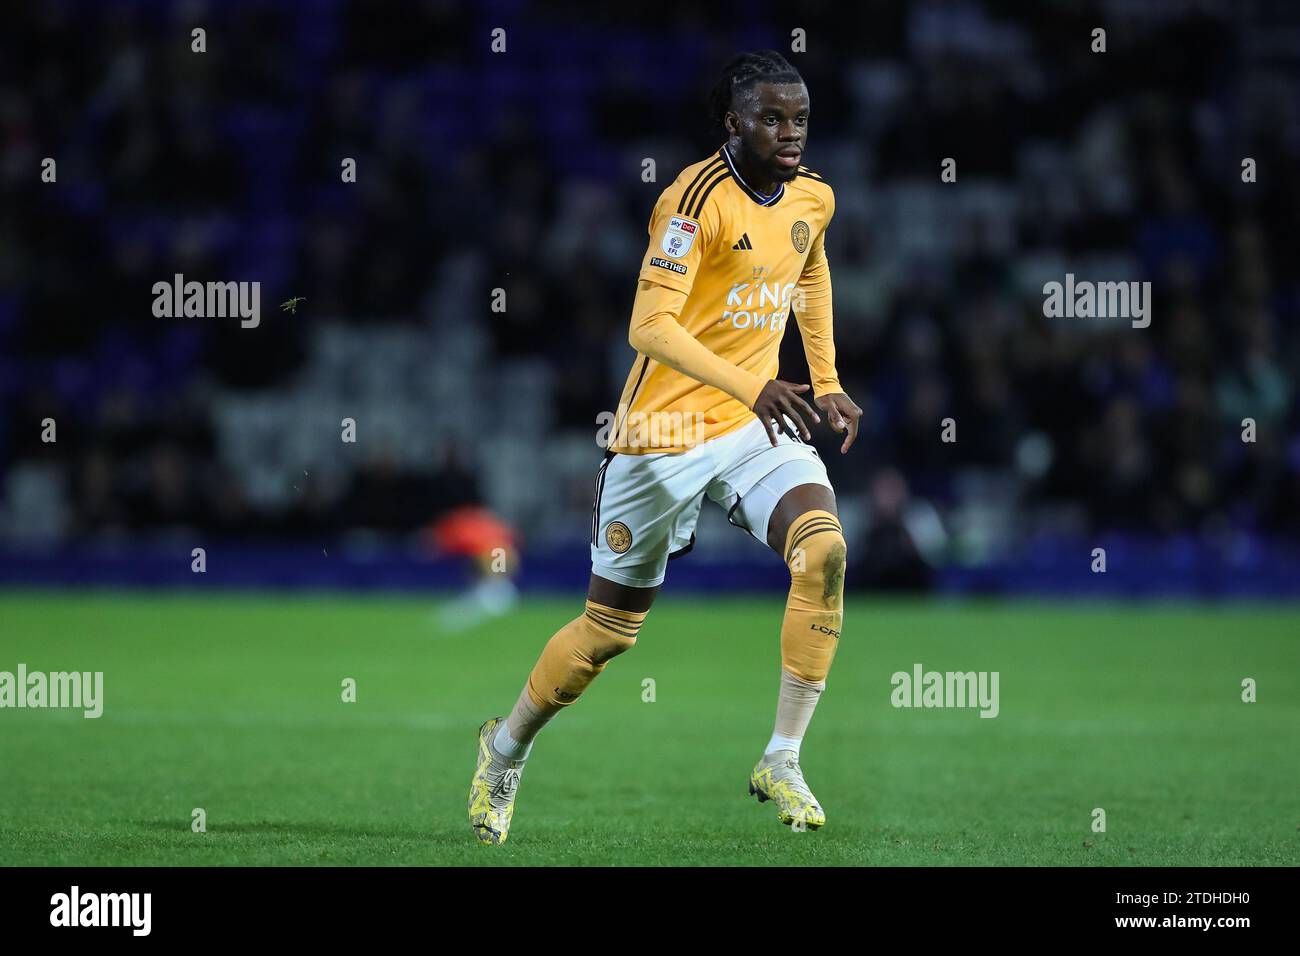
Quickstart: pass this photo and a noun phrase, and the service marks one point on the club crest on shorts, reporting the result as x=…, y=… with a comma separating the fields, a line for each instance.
x=618, y=536
x=679, y=236
x=799, y=235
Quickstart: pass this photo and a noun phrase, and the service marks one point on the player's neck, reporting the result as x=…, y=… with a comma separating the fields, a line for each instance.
x=759, y=182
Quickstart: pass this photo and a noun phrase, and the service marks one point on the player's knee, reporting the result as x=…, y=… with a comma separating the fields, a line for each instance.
x=817, y=555
x=579, y=651
x=602, y=646
x=608, y=632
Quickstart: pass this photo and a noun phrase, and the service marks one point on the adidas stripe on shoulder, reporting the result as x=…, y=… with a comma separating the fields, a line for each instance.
x=691, y=203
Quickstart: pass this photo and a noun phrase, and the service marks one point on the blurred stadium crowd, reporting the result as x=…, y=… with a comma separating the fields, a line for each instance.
x=522, y=171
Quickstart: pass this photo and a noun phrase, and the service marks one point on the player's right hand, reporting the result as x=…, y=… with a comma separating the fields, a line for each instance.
x=780, y=399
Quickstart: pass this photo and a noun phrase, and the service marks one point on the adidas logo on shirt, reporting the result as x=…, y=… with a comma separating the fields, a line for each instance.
x=744, y=242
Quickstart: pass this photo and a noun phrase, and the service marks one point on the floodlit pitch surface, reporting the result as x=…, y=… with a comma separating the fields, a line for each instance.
x=233, y=703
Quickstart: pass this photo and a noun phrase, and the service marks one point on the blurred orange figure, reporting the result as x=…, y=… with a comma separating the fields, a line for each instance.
x=474, y=532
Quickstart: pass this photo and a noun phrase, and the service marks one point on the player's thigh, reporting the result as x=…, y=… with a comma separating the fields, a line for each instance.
x=645, y=511
x=624, y=597
x=798, y=500
x=765, y=487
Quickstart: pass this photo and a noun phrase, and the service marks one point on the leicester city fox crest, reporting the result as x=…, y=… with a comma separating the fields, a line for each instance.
x=799, y=235
x=618, y=536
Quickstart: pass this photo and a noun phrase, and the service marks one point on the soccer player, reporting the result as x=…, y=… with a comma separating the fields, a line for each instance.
x=736, y=245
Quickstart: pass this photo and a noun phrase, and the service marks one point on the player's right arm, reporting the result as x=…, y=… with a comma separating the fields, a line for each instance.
x=655, y=331
x=677, y=247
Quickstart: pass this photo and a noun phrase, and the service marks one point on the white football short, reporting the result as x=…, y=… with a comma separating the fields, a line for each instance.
x=646, y=506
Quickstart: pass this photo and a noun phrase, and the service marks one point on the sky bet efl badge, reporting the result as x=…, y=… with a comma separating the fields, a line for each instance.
x=679, y=236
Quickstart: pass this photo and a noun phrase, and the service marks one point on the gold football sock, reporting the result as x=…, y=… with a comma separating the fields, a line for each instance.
x=575, y=655
x=814, y=613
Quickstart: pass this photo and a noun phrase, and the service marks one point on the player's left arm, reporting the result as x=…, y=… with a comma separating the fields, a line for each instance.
x=813, y=313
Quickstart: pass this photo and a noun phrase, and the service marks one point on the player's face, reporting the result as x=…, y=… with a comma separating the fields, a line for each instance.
x=770, y=128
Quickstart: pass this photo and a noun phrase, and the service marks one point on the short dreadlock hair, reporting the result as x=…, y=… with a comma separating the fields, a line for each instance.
x=742, y=72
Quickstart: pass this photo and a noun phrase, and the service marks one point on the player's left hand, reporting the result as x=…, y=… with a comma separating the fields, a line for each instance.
x=842, y=413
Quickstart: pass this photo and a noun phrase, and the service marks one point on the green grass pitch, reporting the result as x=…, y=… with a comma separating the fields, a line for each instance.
x=232, y=703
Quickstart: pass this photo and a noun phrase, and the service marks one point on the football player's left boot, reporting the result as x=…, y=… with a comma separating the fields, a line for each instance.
x=492, y=788
x=777, y=777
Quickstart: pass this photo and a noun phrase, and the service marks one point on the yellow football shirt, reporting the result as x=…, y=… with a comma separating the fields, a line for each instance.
x=730, y=266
